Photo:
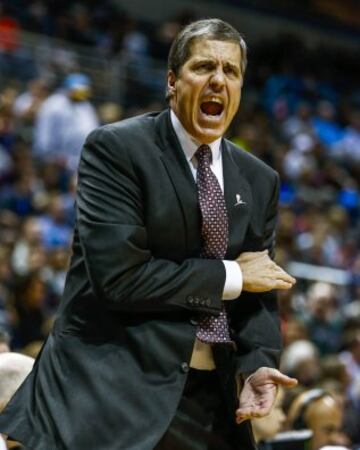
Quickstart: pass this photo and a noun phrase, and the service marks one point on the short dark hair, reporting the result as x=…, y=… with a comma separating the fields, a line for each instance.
x=212, y=29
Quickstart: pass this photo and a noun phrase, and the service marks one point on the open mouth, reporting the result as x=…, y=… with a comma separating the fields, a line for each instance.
x=212, y=108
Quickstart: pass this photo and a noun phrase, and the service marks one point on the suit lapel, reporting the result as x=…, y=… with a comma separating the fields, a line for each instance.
x=182, y=180
x=237, y=191
x=238, y=201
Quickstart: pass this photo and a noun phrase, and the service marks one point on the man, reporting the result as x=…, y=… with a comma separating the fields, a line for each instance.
x=144, y=353
x=63, y=121
x=318, y=411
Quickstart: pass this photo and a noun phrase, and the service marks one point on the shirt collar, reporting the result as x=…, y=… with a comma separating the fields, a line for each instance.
x=188, y=143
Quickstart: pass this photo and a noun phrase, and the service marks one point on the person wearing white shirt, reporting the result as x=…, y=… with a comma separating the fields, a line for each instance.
x=63, y=121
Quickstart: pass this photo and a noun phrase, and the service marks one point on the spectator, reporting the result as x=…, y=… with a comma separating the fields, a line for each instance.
x=14, y=368
x=301, y=360
x=299, y=159
x=54, y=229
x=348, y=148
x=318, y=411
x=80, y=29
x=27, y=104
x=299, y=123
x=326, y=128
x=20, y=197
x=64, y=120
x=351, y=358
x=334, y=369
x=110, y=112
x=294, y=330
x=29, y=239
x=323, y=321
x=31, y=307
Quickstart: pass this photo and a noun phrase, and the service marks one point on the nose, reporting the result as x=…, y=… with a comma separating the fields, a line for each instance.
x=217, y=80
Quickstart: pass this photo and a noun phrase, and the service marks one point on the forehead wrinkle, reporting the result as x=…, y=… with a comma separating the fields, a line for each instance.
x=215, y=58
x=209, y=52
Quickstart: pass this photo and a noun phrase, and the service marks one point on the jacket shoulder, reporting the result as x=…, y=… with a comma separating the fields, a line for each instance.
x=133, y=127
x=250, y=163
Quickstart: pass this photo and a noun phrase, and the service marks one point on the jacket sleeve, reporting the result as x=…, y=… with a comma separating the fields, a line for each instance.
x=113, y=239
x=256, y=322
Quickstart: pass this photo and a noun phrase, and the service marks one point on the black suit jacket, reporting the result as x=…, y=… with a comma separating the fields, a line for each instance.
x=113, y=369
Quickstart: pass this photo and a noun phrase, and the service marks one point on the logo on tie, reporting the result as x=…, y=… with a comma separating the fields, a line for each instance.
x=239, y=201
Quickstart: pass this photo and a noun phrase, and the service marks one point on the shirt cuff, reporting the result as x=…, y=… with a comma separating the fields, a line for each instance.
x=233, y=280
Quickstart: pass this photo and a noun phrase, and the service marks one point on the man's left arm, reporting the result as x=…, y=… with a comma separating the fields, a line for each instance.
x=258, y=337
x=254, y=316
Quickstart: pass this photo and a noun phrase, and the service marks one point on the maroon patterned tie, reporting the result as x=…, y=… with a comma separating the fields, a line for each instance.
x=214, y=233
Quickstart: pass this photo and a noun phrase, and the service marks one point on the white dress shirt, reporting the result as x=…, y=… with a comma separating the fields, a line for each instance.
x=202, y=356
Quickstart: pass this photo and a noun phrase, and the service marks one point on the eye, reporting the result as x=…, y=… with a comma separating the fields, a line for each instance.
x=204, y=66
x=231, y=70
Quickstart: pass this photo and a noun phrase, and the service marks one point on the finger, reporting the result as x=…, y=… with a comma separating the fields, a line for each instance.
x=243, y=414
x=280, y=273
x=281, y=379
x=239, y=420
x=282, y=285
x=287, y=277
x=242, y=417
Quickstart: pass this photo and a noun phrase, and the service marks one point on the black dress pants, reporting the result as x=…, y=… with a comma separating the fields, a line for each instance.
x=202, y=421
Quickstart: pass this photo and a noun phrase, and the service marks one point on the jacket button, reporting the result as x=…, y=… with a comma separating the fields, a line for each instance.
x=185, y=367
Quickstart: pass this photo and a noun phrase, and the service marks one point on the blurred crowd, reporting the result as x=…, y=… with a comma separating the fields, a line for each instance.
x=300, y=113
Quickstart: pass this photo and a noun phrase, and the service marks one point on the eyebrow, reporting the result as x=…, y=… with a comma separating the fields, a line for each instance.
x=233, y=66
x=209, y=59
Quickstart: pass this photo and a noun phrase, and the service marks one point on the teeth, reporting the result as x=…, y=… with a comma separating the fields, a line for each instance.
x=215, y=100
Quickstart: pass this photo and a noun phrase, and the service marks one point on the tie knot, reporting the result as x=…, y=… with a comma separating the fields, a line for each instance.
x=203, y=154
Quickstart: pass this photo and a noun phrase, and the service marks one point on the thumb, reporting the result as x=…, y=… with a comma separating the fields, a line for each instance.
x=283, y=380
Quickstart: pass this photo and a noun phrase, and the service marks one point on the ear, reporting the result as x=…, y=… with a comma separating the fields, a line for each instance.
x=171, y=83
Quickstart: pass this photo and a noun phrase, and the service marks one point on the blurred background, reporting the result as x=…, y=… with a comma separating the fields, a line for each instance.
x=69, y=66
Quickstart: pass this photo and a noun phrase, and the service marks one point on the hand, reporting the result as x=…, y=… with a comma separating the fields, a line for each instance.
x=259, y=393
x=260, y=273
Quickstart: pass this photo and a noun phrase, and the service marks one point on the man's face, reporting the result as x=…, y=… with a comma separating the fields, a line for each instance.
x=324, y=418
x=206, y=93
x=80, y=94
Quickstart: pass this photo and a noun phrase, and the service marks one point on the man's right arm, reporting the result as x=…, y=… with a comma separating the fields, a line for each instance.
x=114, y=241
